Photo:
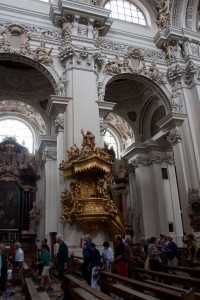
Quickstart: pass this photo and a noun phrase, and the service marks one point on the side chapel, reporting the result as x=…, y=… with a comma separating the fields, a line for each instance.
x=109, y=95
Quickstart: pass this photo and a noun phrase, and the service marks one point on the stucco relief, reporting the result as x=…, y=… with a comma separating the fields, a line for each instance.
x=19, y=108
x=156, y=75
x=135, y=60
x=191, y=14
x=157, y=158
x=15, y=39
x=113, y=67
x=163, y=18
x=121, y=47
x=66, y=27
x=175, y=136
x=43, y=54
x=169, y=51
x=176, y=102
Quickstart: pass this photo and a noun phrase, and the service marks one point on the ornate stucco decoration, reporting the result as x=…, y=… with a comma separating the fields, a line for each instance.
x=190, y=71
x=66, y=27
x=59, y=123
x=88, y=202
x=43, y=55
x=98, y=59
x=194, y=209
x=157, y=158
x=135, y=60
x=15, y=39
x=163, y=17
x=113, y=67
x=66, y=52
x=169, y=51
x=176, y=103
x=175, y=74
x=174, y=136
x=156, y=75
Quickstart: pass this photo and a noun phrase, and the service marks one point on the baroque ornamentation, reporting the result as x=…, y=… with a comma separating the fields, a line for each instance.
x=175, y=74
x=169, y=51
x=135, y=60
x=156, y=75
x=113, y=67
x=101, y=91
x=163, y=18
x=190, y=16
x=66, y=52
x=190, y=70
x=96, y=32
x=34, y=218
x=176, y=103
x=174, y=137
x=88, y=201
x=96, y=2
x=123, y=48
x=49, y=154
x=62, y=85
x=66, y=27
x=43, y=55
x=152, y=159
x=15, y=39
x=59, y=124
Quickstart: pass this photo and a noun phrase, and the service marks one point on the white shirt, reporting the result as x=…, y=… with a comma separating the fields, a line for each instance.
x=19, y=255
x=108, y=253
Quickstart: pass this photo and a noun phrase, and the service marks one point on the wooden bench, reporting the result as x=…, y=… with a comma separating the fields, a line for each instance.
x=191, y=271
x=174, y=288
x=31, y=292
x=79, y=290
x=107, y=280
x=171, y=278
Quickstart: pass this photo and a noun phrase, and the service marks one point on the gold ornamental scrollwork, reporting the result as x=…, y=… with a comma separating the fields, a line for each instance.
x=88, y=201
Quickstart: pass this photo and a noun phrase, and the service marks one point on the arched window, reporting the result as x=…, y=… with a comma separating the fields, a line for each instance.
x=126, y=11
x=111, y=142
x=19, y=130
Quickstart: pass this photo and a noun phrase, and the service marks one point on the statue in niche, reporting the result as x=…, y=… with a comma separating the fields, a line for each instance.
x=163, y=18
x=169, y=51
x=34, y=215
x=42, y=54
x=66, y=27
x=113, y=67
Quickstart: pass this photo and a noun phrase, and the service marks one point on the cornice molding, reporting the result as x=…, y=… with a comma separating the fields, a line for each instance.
x=56, y=105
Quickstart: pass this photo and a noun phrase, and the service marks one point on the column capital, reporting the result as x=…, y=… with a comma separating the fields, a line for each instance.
x=59, y=123
x=47, y=148
x=105, y=108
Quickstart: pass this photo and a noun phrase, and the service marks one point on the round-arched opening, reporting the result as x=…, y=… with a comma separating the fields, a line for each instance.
x=24, y=94
x=139, y=102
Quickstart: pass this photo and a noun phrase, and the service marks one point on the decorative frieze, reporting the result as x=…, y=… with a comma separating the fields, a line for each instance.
x=109, y=45
x=33, y=30
x=156, y=158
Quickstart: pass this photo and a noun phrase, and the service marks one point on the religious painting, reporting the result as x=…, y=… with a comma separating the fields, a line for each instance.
x=9, y=206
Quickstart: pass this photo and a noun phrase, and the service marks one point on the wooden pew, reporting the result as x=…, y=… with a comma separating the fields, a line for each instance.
x=190, y=271
x=108, y=281
x=80, y=290
x=185, y=281
x=31, y=292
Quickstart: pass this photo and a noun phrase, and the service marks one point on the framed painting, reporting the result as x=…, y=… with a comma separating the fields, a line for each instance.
x=10, y=196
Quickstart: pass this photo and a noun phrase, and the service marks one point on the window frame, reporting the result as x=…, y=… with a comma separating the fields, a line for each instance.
x=138, y=10
x=27, y=124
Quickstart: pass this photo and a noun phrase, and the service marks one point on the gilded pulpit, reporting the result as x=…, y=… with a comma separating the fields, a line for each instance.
x=87, y=201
